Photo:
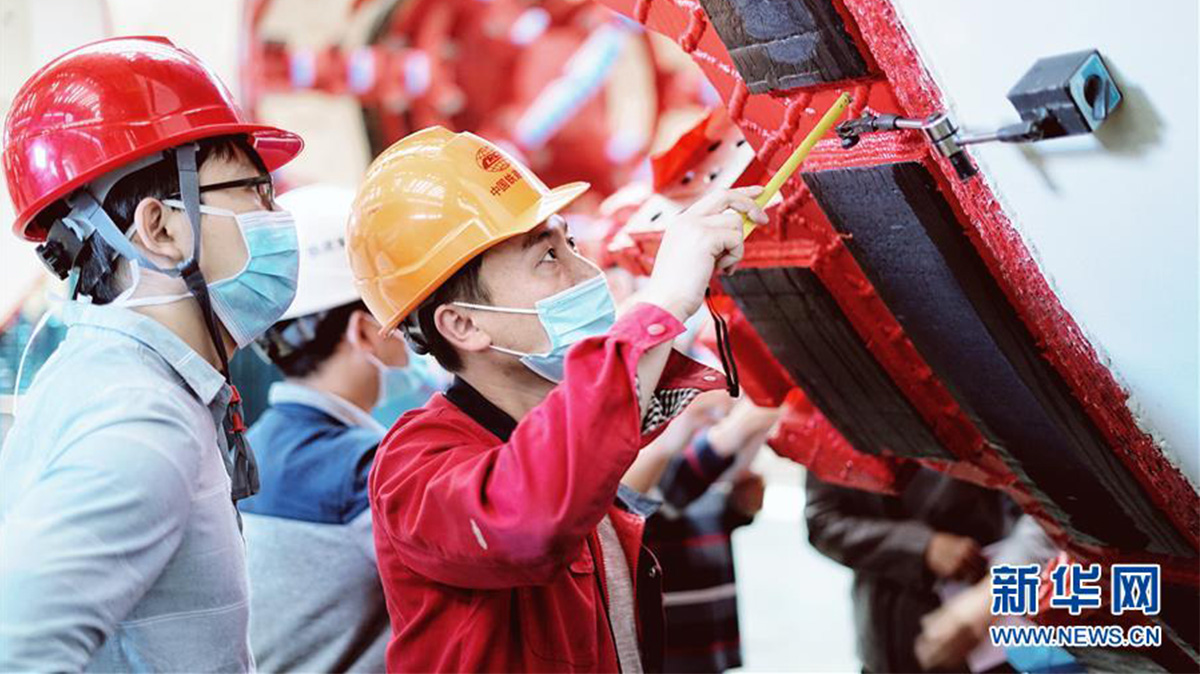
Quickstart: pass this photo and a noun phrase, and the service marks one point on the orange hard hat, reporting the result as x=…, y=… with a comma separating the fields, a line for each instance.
x=428, y=205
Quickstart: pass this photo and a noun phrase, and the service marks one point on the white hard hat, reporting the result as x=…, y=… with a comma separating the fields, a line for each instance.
x=325, y=279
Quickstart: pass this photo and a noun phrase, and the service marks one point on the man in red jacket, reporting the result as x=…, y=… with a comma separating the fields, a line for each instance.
x=504, y=539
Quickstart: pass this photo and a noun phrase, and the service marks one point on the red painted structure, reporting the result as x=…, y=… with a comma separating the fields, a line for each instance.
x=801, y=235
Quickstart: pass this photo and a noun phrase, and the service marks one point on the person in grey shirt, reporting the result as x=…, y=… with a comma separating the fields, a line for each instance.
x=903, y=547
x=316, y=602
x=120, y=547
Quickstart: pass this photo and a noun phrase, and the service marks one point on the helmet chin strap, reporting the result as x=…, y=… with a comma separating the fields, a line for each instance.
x=243, y=469
x=193, y=278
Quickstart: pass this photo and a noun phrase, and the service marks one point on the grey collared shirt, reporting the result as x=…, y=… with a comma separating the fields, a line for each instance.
x=119, y=544
x=622, y=605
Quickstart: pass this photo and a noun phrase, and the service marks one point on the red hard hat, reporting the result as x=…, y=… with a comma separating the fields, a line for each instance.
x=103, y=105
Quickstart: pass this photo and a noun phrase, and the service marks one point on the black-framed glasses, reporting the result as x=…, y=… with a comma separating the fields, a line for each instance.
x=262, y=184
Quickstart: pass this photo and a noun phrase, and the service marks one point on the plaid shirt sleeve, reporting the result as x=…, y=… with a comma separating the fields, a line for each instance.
x=692, y=472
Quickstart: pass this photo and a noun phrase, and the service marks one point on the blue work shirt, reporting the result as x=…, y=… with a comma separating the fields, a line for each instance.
x=119, y=543
x=314, y=453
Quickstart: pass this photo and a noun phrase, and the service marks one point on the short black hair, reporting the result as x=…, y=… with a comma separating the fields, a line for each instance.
x=98, y=262
x=327, y=329
x=421, y=330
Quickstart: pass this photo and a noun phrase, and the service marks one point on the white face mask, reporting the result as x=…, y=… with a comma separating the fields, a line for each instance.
x=250, y=301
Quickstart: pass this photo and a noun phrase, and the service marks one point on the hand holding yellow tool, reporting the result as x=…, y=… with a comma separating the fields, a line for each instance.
x=798, y=155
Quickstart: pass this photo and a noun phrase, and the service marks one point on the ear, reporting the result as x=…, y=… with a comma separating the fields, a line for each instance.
x=163, y=232
x=459, y=329
x=362, y=329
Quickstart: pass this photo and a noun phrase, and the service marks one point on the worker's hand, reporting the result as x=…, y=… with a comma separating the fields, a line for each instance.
x=707, y=409
x=957, y=557
x=746, y=495
x=745, y=428
x=951, y=632
x=706, y=236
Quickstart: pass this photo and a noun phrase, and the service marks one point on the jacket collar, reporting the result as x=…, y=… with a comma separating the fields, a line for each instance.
x=495, y=420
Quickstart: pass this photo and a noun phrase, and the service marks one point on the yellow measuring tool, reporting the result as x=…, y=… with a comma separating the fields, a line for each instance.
x=798, y=155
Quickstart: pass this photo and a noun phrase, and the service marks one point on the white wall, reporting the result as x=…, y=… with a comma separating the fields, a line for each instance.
x=32, y=33
x=1113, y=218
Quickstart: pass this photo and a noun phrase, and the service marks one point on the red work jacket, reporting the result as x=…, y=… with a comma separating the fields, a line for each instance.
x=485, y=528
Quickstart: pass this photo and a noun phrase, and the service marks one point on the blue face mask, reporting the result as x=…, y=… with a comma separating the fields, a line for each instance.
x=251, y=300
x=581, y=311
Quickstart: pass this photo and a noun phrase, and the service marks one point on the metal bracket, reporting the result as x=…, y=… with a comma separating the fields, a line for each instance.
x=940, y=129
x=1061, y=95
